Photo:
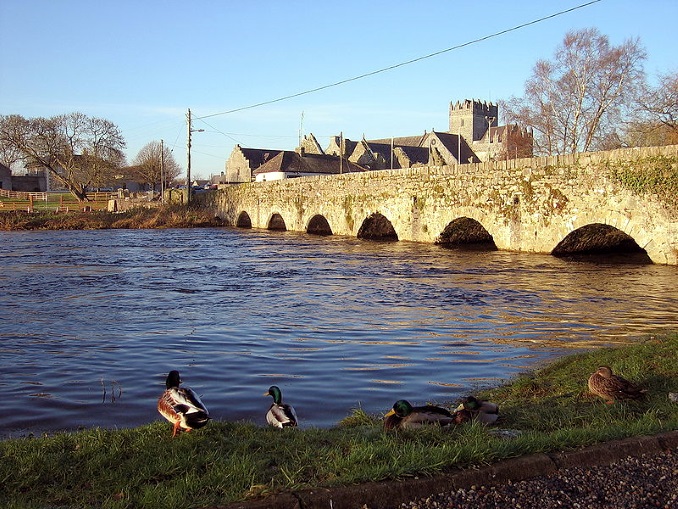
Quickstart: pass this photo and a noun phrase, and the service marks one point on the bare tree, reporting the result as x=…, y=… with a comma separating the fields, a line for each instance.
x=656, y=122
x=576, y=102
x=147, y=165
x=78, y=151
x=661, y=103
x=9, y=154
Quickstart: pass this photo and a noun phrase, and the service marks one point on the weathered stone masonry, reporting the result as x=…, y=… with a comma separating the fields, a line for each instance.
x=526, y=204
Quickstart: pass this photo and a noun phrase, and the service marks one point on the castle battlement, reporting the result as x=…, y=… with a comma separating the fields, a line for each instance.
x=475, y=106
x=472, y=118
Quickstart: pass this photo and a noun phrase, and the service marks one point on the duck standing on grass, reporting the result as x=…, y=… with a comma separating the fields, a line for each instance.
x=613, y=387
x=181, y=405
x=404, y=416
x=280, y=415
x=485, y=412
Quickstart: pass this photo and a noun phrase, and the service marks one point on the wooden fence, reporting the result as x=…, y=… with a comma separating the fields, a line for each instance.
x=59, y=202
x=20, y=195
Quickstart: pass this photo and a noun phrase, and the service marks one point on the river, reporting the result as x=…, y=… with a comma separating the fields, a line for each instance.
x=92, y=321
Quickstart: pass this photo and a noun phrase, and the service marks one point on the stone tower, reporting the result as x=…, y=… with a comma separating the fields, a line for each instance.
x=471, y=119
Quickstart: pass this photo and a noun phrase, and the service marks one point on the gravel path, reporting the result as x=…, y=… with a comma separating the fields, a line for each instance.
x=636, y=472
x=646, y=481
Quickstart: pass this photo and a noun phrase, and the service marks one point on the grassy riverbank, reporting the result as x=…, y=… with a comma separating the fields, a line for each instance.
x=547, y=410
x=161, y=216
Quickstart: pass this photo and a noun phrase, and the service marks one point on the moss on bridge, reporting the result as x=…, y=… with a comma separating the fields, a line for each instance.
x=526, y=205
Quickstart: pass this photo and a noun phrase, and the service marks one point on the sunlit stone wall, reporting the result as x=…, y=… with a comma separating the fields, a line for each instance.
x=525, y=204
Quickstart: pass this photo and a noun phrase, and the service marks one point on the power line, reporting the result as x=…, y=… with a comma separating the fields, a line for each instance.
x=227, y=135
x=258, y=135
x=402, y=64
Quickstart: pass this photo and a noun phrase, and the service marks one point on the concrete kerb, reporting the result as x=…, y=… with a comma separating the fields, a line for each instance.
x=391, y=494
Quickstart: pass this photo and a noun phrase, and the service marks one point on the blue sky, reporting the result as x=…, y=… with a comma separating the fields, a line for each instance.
x=142, y=64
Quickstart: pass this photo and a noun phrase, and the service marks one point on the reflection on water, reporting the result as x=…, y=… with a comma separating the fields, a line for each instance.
x=92, y=321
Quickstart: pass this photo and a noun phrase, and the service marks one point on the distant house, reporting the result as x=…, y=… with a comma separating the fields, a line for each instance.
x=29, y=180
x=474, y=136
x=447, y=148
x=432, y=148
x=477, y=123
x=288, y=164
x=373, y=156
x=5, y=177
x=310, y=145
x=243, y=162
x=29, y=183
x=340, y=145
x=403, y=152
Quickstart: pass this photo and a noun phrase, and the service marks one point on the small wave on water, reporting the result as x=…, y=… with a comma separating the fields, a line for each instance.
x=92, y=321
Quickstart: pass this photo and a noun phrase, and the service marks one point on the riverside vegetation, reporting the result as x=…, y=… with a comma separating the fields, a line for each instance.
x=547, y=410
x=161, y=216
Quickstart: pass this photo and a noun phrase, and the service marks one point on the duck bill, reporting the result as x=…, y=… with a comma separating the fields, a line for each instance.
x=390, y=413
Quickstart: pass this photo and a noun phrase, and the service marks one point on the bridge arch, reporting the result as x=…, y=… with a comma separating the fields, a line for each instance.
x=318, y=225
x=377, y=227
x=600, y=239
x=466, y=233
x=555, y=196
x=276, y=222
x=244, y=220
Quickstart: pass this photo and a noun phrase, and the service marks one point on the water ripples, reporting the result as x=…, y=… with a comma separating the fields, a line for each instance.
x=92, y=321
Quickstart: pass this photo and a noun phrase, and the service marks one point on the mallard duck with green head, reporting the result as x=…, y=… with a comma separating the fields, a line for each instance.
x=485, y=412
x=280, y=415
x=613, y=387
x=181, y=405
x=405, y=416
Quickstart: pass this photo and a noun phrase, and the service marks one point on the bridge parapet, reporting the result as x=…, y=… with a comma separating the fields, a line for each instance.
x=525, y=204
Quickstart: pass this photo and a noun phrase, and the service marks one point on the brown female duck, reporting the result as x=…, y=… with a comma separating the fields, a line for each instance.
x=613, y=387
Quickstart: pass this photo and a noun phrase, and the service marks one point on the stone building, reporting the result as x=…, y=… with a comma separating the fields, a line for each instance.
x=309, y=145
x=477, y=123
x=242, y=163
x=5, y=177
x=288, y=164
x=29, y=181
x=474, y=136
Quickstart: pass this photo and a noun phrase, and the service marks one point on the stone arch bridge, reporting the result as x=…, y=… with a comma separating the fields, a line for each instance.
x=617, y=201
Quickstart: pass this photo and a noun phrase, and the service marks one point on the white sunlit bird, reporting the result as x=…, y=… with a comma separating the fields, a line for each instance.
x=280, y=415
x=181, y=405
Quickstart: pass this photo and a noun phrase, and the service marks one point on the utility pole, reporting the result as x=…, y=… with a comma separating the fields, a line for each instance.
x=189, y=187
x=490, y=121
x=188, y=166
x=391, y=152
x=459, y=144
x=301, y=127
x=341, y=152
x=162, y=171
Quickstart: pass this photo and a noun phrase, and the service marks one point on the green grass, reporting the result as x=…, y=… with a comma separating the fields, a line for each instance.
x=550, y=409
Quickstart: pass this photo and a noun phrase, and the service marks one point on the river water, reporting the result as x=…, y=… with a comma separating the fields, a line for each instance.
x=92, y=321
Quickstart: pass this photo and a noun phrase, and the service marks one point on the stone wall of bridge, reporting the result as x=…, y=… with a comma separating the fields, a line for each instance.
x=527, y=205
